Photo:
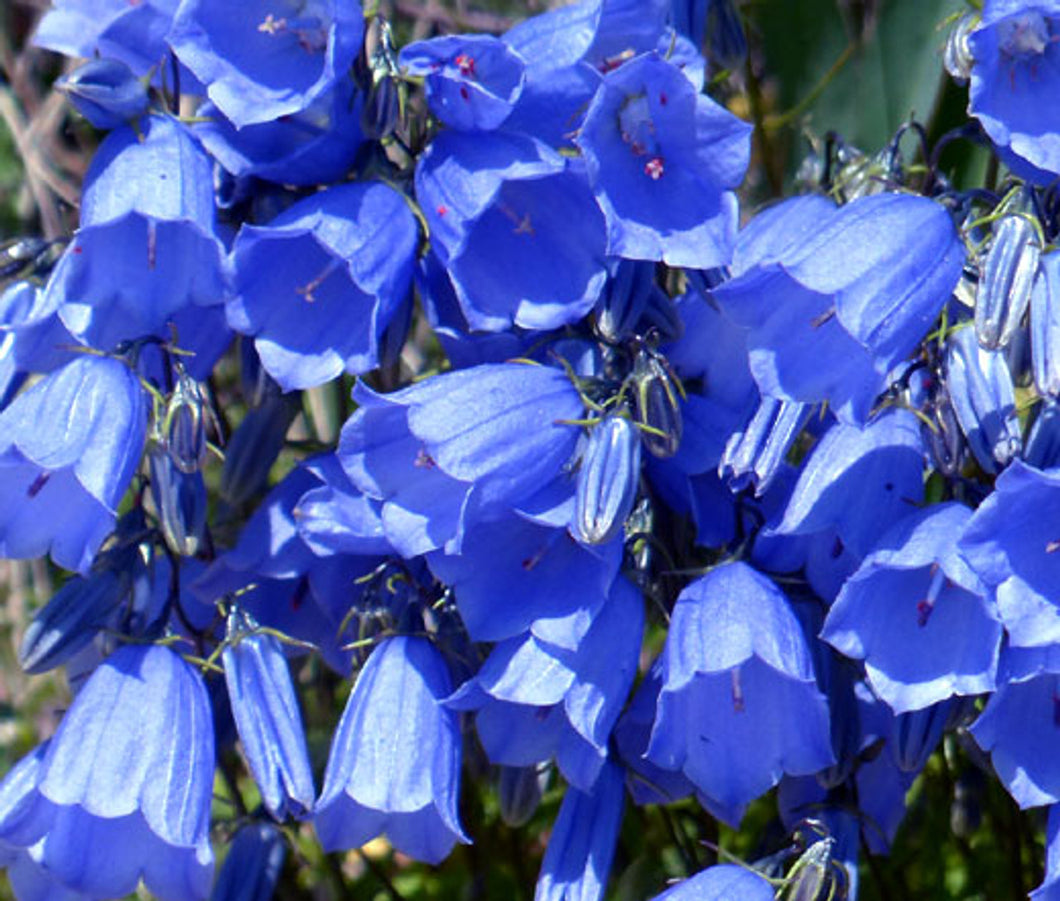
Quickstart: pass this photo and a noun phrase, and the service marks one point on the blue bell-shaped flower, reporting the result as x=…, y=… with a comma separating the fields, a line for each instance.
x=265, y=708
x=122, y=791
x=394, y=765
x=68, y=448
x=739, y=704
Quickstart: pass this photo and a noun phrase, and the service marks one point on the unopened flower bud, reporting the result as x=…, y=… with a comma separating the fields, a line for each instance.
x=656, y=405
x=106, y=92
x=1009, y=272
x=608, y=480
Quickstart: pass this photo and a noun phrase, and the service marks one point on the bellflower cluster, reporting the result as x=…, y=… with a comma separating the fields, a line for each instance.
x=410, y=417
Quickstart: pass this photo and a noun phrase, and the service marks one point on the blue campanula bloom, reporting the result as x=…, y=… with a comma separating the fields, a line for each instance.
x=663, y=161
x=833, y=298
x=394, y=765
x=858, y=481
x=69, y=447
x=535, y=701
x=916, y=614
x=265, y=709
x=317, y=286
x=554, y=586
x=131, y=32
x=647, y=783
x=472, y=80
x=1049, y=890
x=262, y=59
x=499, y=204
x=122, y=791
x=724, y=882
x=739, y=704
x=1011, y=542
x=313, y=146
x=582, y=844
x=459, y=446
x=1015, y=70
x=1019, y=728
x=147, y=252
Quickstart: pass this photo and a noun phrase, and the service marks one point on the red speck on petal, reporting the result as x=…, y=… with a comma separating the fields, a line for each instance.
x=663, y=99
x=464, y=92
x=654, y=168
x=78, y=249
x=466, y=65
x=441, y=209
x=923, y=612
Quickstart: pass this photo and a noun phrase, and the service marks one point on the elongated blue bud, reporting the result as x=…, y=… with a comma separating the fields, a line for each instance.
x=624, y=298
x=265, y=708
x=70, y=620
x=1045, y=326
x=520, y=789
x=607, y=481
x=1042, y=449
x=180, y=502
x=106, y=92
x=916, y=734
x=255, y=445
x=184, y=424
x=984, y=400
x=1009, y=272
x=945, y=441
x=252, y=867
x=753, y=456
x=656, y=405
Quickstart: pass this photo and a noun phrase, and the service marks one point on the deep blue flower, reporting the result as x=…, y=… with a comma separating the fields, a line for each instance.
x=253, y=864
x=554, y=586
x=394, y=764
x=582, y=844
x=1010, y=542
x=266, y=713
x=915, y=613
x=122, y=792
x=724, y=882
x=146, y=253
x=1015, y=69
x=70, y=445
x=1049, y=890
x=497, y=205
x=472, y=80
x=535, y=701
x=313, y=146
x=858, y=481
x=833, y=298
x=739, y=705
x=1018, y=727
x=262, y=59
x=131, y=32
x=663, y=161
x=317, y=286
x=459, y=446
